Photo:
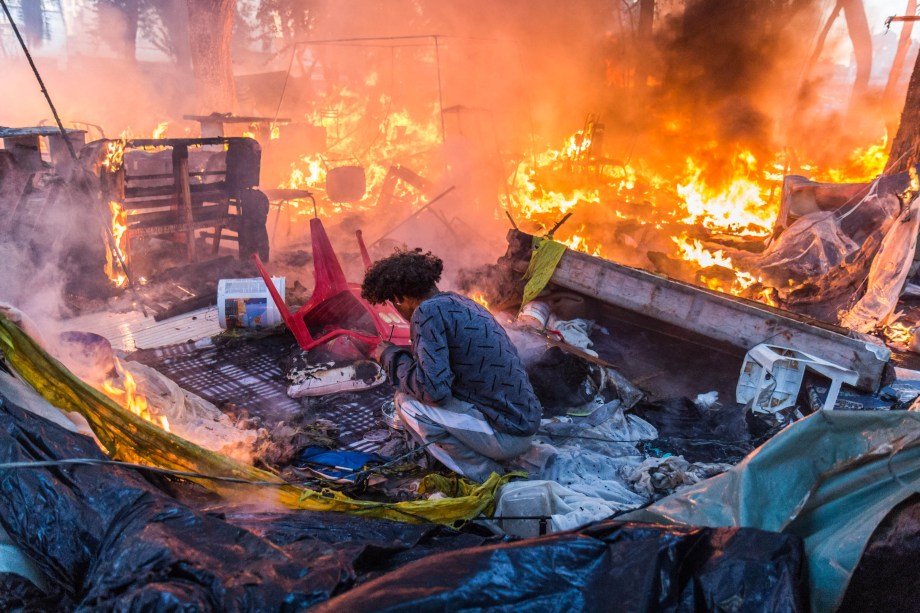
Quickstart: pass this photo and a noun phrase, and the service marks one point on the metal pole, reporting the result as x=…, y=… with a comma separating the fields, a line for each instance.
x=437, y=56
x=25, y=49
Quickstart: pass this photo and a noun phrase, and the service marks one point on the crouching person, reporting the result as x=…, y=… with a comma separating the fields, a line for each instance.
x=462, y=387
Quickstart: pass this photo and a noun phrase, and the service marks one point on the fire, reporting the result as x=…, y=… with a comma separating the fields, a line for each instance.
x=910, y=192
x=898, y=333
x=128, y=397
x=861, y=166
x=401, y=138
x=114, y=159
x=578, y=243
x=160, y=130
x=481, y=299
x=693, y=251
x=119, y=227
x=115, y=154
x=740, y=208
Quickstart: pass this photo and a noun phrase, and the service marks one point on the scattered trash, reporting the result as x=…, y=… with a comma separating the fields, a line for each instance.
x=390, y=416
x=337, y=466
x=577, y=333
x=771, y=377
x=534, y=314
x=246, y=303
x=324, y=379
x=707, y=400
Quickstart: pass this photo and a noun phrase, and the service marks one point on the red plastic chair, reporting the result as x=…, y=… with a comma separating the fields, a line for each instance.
x=336, y=308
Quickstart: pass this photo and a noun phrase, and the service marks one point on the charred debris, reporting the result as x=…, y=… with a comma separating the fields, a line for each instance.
x=192, y=417
x=652, y=383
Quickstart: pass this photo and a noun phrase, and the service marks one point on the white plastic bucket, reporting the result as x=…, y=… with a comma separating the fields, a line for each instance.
x=246, y=303
x=535, y=314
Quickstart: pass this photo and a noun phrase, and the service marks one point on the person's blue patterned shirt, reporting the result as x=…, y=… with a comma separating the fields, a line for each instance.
x=459, y=350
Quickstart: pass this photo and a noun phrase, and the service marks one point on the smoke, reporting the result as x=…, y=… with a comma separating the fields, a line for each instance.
x=460, y=93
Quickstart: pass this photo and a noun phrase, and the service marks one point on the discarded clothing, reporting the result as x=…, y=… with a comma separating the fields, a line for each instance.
x=658, y=477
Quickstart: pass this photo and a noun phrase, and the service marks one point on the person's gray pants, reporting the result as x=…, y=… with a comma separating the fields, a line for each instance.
x=464, y=440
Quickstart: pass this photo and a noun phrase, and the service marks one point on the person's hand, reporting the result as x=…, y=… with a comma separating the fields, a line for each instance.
x=379, y=349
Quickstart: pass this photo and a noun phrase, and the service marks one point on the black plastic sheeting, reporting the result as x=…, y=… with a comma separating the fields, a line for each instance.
x=608, y=566
x=717, y=434
x=887, y=576
x=108, y=539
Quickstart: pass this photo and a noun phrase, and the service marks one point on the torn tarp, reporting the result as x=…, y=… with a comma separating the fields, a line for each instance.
x=106, y=539
x=829, y=478
x=607, y=566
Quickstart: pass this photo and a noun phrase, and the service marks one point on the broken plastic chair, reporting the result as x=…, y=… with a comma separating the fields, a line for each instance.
x=336, y=308
x=771, y=377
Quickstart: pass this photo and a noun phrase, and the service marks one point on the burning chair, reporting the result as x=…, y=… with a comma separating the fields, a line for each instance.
x=178, y=190
x=336, y=309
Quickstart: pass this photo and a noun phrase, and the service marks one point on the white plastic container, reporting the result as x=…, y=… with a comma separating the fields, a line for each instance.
x=246, y=303
x=529, y=501
x=535, y=314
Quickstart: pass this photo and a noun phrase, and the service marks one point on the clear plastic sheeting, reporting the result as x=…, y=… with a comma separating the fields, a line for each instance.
x=819, y=262
x=819, y=242
x=192, y=417
x=887, y=274
x=830, y=479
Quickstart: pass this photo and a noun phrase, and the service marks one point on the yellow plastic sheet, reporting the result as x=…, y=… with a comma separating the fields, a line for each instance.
x=129, y=438
x=543, y=262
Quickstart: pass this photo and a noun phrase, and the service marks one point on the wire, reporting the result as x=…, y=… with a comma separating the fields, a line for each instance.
x=195, y=475
x=156, y=469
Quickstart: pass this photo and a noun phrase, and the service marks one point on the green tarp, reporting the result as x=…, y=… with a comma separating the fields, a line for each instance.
x=830, y=479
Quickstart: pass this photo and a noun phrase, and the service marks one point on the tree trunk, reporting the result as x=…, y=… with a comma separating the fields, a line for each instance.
x=905, y=149
x=858, y=27
x=118, y=22
x=174, y=15
x=897, y=66
x=822, y=38
x=644, y=43
x=210, y=30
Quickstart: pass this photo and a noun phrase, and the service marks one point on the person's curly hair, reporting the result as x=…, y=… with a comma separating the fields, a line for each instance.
x=405, y=274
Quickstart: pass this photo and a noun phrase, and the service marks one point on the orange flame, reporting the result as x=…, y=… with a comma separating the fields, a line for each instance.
x=481, y=299
x=128, y=397
x=160, y=130
x=898, y=333
x=115, y=153
x=693, y=251
x=740, y=208
x=119, y=227
x=401, y=138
